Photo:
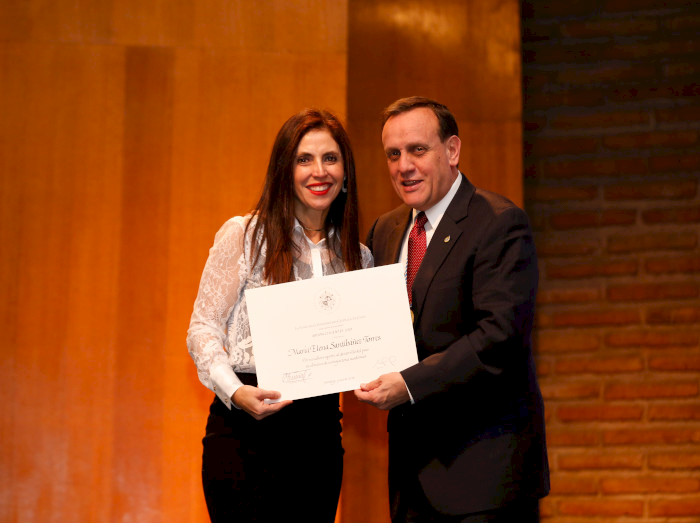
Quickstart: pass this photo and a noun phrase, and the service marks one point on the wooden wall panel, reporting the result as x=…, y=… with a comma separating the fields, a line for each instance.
x=465, y=54
x=129, y=132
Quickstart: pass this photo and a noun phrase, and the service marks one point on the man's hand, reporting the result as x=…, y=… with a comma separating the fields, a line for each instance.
x=386, y=392
x=252, y=400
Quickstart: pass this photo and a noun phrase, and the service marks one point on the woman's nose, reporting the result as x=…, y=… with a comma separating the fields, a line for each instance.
x=317, y=168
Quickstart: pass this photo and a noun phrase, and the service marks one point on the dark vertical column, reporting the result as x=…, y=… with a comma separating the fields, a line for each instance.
x=465, y=54
x=142, y=300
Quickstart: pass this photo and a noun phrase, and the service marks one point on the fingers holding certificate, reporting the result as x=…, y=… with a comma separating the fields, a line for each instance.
x=331, y=334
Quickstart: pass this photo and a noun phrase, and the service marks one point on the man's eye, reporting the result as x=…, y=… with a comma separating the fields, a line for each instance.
x=419, y=149
x=393, y=155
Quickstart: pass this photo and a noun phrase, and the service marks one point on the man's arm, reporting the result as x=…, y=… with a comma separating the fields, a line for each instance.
x=504, y=286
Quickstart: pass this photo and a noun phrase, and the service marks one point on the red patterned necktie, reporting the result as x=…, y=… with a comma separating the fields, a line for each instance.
x=416, y=250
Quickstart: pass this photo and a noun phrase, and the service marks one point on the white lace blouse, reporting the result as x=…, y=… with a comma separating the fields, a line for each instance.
x=219, y=335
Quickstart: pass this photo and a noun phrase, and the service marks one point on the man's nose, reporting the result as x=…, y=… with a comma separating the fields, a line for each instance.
x=405, y=163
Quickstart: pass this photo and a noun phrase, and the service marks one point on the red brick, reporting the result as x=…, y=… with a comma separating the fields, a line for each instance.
x=650, y=338
x=648, y=484
x=676, y=507
x=590, y=318
x=566, y=247
x=546, y=146
x=595, y=268
x=548, y=100
x=638, y=94
x=655, y=190
x=537, y=79
x=598, y=460
x=585, y=219
x=598, y=364
x=656, y=436
x=544, y=367
x=678, y=114
x=539, y=10
x=562, y=193
x=543, y=53
x=652, y=291
x=651, y=390
x=673, y=361
x=674, y=162
x=582, y=120
x=685, y=264
x=684, y=22
x=573, y=485
x=650, y=49
x=677, y=215
x=547, y=508
x=680, y=69
x=565, y=342
x=627, y=243
x=675, y=314
x=675, y=412
x=570, y=390
x=635, y=6
x=567, y=295
x=595, y=168
x=652, y=140
x=601, y=73
x=601, y=508
x=607, y=27
x=577, y=438
x=538, y=221
x=585, y=413
x=533, y=31
x=675, y=461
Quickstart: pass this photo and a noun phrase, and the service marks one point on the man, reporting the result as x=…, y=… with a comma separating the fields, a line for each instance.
x=466, y=426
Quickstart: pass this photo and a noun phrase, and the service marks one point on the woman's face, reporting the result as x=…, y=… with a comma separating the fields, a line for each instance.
x=318, y=175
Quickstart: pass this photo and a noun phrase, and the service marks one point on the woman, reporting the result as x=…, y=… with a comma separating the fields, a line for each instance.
x=282, y=461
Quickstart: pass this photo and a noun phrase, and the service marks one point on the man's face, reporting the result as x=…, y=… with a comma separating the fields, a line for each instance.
x=421, y=166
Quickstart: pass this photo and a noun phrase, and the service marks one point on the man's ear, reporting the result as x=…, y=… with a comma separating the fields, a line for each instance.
x=454, y=145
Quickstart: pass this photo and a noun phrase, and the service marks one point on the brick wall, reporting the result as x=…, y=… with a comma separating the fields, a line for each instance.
x=612, y=148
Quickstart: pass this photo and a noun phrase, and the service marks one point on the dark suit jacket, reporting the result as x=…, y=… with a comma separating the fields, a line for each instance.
x=474, y=438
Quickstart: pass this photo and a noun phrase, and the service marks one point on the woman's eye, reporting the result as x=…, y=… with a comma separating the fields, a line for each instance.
x=302, y=160
x=331, y=158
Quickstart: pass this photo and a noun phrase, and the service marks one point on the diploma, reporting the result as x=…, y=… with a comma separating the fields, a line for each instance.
x=329, y=334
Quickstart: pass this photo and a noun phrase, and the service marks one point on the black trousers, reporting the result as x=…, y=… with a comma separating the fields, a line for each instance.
x=287, y=467
x=415, y=508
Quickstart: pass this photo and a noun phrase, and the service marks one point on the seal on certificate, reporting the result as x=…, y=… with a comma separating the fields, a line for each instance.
x=327, y=299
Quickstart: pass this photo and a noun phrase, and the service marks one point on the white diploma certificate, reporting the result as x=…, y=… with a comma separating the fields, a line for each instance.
x=329, y=334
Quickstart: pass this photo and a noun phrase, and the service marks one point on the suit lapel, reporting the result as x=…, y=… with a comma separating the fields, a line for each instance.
x=394, y=236
x=446, y=235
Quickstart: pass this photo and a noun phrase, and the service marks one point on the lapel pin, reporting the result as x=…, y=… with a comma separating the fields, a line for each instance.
x=447, y=239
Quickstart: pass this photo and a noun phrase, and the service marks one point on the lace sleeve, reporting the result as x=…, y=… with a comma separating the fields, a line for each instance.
x=219, y=292
x=367, y=259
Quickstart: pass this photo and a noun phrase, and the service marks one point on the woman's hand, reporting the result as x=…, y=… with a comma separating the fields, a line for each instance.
x=252, y=400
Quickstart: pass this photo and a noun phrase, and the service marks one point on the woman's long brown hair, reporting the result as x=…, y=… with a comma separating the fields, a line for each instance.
x=275, y=209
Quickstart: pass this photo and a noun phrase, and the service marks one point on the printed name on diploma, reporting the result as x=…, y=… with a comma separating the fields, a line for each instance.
x=317, y=348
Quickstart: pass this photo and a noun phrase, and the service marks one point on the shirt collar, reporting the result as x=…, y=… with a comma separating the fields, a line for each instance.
x=299, y=230
x=435, y=213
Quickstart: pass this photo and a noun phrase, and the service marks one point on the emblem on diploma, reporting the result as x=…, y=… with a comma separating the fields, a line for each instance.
x=327, y=299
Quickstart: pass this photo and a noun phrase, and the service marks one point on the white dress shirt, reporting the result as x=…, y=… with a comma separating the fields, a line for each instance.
x=434, y=214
